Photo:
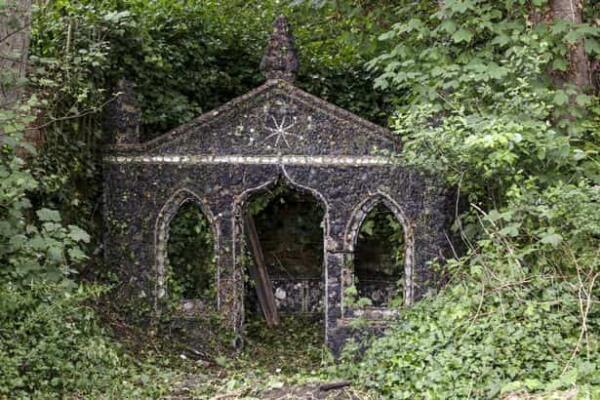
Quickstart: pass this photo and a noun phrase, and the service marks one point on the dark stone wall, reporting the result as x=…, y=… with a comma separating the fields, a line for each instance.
x=294, y=296
x=333, y=156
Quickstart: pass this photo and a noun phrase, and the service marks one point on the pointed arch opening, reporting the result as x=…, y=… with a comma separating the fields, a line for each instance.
x=379, y=258
x=291, y=225
x=185, y=244
x=190, y=254
x=380, y=239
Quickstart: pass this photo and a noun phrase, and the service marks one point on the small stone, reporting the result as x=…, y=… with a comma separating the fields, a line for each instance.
x=280, y=294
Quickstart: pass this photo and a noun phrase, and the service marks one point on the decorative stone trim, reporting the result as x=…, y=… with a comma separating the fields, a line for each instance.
x=356, y=220
x=274, y=86
x=161, y=237
x=353, y=161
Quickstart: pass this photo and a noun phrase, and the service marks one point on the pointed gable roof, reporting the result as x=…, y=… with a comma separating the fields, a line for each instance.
x=275, y=118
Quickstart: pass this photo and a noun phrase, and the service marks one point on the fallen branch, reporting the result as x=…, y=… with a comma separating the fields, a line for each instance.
x=324, y=387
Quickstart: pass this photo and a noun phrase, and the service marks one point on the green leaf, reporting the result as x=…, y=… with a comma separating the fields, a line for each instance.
x=78, y=234
x=368, y=227
x=462, y=35
x=560, y=98
x=387, y=35
x=55, y=253
x=583, y=100
x=560, y=64
x=501, y=40
x=592, y=46
x=494, y=215
x=511, y=230
x=76, y=254
x=448, y=26
x=45, y=214
x=457, y=6
x=551, y=238
x=221, y=361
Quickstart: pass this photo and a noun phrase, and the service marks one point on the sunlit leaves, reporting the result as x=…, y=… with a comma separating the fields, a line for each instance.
x=78, y=235
x=462, y=35
x=560, y=98
x=46, y=215
x=551, y=238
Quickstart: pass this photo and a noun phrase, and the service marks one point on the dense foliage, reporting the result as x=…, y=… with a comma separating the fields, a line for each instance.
x=482, y=97
x=50, y=343
x=479, y=107
x=52, y=347
x=483, y=341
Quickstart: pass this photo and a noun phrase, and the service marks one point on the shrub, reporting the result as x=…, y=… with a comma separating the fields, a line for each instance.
x=52, y=347
x=475, y=341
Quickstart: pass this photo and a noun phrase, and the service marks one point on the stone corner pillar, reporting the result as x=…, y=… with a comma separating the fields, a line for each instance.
x=230, y=282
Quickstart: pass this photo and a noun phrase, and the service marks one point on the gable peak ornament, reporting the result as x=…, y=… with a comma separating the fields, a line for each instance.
x=280, y=60
x=281, y=131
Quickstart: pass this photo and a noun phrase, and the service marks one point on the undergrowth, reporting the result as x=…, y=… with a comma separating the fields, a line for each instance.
x=291, y=353
x=52, y=347
x=478, y=340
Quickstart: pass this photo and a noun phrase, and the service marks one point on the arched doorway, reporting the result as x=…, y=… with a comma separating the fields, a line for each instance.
x=290, y=224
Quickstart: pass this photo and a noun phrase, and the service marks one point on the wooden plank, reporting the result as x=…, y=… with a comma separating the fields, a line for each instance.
x=260, y=275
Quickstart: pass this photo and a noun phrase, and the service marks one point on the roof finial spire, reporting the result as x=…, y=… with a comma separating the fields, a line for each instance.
x=280, y=60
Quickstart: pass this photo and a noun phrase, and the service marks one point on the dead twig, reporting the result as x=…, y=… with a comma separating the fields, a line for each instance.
x=69, y=117
x=585, y=303
x=324, y=387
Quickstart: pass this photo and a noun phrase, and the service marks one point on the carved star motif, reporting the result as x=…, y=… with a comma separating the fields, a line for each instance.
x=281, y=132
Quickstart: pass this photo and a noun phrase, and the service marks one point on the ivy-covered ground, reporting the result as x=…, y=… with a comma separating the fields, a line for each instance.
x=285, y=362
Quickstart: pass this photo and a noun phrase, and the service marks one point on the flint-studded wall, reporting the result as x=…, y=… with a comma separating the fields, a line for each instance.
x=276, y=133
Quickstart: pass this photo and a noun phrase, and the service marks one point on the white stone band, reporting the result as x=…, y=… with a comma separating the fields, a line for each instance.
x=260, y=160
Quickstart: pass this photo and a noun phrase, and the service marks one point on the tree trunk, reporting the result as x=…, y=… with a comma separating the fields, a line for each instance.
x=579, y=72
x=15, y=26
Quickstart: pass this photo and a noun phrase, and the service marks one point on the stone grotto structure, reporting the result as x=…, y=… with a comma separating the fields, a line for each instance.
x=275, y=134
